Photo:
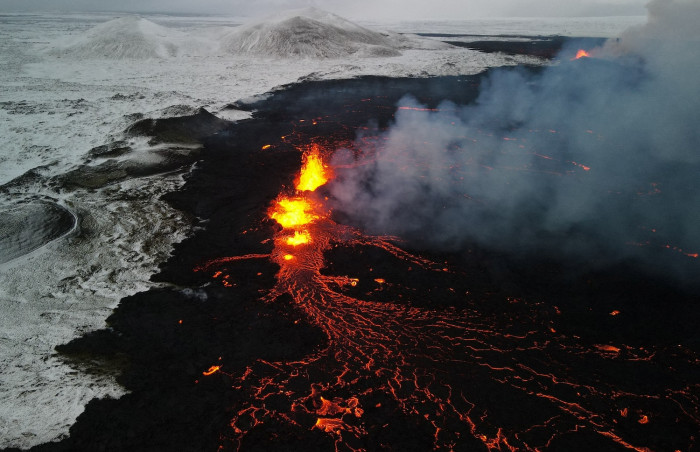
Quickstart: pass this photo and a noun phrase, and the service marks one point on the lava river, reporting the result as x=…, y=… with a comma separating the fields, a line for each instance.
x=392, y=374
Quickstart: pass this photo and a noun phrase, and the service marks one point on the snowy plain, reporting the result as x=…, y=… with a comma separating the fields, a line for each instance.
x=73, y=82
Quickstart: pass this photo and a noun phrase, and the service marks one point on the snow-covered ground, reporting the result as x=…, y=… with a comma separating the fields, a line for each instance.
x=74, y=82
x=591, y=27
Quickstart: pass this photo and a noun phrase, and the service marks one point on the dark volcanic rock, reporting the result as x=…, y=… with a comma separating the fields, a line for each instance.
x=113, y=170
x=183, y=129
x=169, y=337
x=182, y=134
x=545, y=47
x=114, y=149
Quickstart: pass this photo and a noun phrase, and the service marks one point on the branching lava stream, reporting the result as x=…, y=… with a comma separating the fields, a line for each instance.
x=466, y=379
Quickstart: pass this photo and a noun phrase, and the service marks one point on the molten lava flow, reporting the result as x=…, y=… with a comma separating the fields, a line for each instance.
x=212, y=370
x=299, y=238
x=329, y=425
x=581, y=54
x=292, y=212
x=385, y=363
x=313, y=171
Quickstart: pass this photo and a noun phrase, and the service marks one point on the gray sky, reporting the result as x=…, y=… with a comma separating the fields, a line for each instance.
x=354, y=9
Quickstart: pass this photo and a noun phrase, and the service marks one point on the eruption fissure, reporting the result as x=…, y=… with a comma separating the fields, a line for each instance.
x=383, y=358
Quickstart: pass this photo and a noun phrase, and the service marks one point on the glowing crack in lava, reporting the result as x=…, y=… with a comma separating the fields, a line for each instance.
x=454, y=372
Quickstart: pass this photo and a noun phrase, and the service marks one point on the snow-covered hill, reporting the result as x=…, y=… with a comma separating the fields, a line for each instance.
x=304, y=33
x=309, y=33
x=130, y=37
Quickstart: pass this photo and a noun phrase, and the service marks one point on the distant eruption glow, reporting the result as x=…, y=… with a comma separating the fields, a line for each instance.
x=581, y=54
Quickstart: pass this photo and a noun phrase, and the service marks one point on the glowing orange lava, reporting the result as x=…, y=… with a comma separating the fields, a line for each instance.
x=330, y=425
x=292, y=212
x=581, y=54
x=299, y=238
x=212, y=370
x=313, y=171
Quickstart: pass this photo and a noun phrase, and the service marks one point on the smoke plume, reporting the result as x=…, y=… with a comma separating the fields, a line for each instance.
x=595, y=160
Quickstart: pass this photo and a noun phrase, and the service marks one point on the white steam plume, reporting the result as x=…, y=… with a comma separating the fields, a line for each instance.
x=595, y=159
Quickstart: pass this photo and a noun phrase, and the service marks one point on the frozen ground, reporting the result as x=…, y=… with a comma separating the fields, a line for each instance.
x=68, y=87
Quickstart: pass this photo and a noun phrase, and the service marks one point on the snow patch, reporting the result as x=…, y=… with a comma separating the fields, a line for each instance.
x=233, y=115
